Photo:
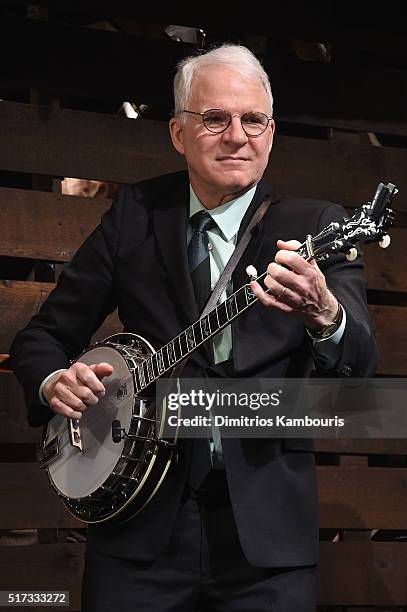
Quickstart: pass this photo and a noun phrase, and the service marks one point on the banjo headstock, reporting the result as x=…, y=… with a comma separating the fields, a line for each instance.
x=369, y=223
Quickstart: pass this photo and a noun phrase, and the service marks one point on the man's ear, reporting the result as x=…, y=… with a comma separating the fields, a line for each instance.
x=177, y=136
x=273, y=131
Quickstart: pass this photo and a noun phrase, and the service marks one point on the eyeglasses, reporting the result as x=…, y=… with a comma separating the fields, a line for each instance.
x=217, y=121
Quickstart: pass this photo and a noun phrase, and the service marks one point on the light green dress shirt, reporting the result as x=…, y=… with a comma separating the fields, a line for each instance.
x=222, y=242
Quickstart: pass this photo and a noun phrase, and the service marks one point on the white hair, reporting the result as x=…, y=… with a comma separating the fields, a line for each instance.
x=232, y=56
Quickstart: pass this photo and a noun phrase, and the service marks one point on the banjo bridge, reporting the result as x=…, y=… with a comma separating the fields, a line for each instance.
x=75, y=437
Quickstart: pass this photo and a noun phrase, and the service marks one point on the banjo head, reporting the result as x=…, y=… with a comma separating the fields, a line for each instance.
x=75, y=473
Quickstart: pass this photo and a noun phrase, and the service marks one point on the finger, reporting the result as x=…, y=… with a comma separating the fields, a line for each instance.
x=283, y=293
x=295, y=262
x=285, y=278
x=86, y=377
x=102, y=369
x=70, y=380
x=61, y=408
x=67, y=395
x=268, y=299
x=86, y=395
x=288, y=245
x=273, y=286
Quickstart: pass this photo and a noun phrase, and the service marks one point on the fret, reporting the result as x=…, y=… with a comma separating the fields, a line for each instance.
x=190, y=338
x=213, y=320
x=153, y=361
x=198, y=333
x=171, y=353
x=166, y=357
x=205, y=327
x=222, y=314
x=249, y=294
x=240, y=297
x=160, y=362
x=150, y=372
x=179, y=347
x=137, y=380
x=231, y=307
x=183, y=344
x=140, y=370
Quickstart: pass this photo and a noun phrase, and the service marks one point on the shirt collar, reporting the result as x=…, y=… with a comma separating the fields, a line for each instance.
x=227, y=217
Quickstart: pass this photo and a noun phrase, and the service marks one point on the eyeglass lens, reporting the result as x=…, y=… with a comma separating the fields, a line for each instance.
x=253, y=123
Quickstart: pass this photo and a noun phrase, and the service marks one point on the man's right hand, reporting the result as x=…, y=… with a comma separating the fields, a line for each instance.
x=70, y=392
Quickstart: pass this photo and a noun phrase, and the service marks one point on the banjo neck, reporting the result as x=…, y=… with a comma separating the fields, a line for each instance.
x=180, y=347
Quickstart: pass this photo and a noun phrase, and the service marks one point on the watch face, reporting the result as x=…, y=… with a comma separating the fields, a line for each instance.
x=332, y=327
x=328, y=330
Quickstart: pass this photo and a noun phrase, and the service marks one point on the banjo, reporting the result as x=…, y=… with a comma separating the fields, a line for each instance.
x=112, y=461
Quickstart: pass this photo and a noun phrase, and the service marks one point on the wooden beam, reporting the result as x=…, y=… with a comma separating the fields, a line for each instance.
x=344, y=173
x=51, y=226
x=386, y=269
x=15, y=428
x=60, y=142
x=69, y=220
x=33, y=503
x=355, y=446
x=351, y=573
x=350, y=497
x=363, y=574
x=44, y=567
x=355, y=124
x=20, y=300
x=84, y=145
x=390, y=330
x=362, y=497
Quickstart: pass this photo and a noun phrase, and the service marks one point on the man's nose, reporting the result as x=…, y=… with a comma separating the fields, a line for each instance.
x=235, y=131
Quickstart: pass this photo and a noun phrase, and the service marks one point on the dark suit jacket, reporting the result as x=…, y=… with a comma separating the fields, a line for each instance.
x=136, y=260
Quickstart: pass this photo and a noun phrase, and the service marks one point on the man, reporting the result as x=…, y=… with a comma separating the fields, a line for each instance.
x=245, y=538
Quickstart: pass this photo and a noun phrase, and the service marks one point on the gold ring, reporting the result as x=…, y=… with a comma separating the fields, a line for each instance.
x=281, y=294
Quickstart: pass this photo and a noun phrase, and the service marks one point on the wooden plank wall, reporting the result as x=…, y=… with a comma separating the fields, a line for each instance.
x=362, y=483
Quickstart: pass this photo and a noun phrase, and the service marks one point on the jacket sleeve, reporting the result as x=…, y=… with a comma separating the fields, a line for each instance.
x=84, y=296
x=357, y=355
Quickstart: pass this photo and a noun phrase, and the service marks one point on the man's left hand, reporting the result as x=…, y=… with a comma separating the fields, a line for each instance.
x=298, y=287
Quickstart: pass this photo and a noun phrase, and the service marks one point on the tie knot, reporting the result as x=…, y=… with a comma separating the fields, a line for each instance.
x=202, y=221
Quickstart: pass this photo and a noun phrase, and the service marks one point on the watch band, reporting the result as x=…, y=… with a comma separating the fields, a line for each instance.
x=330, y=328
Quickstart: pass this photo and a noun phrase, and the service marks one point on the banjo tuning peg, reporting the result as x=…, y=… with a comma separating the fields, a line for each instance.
x=351, y=254
x=251, y=272
x=385, y=241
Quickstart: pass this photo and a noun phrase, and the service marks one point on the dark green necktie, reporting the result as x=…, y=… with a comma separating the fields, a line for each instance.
x=198, y=257
x=199, y=265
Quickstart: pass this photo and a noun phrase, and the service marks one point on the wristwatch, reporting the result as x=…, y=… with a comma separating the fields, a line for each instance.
x=330, y=328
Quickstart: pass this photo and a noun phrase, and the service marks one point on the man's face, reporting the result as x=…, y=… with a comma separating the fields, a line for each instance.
x=223, y=165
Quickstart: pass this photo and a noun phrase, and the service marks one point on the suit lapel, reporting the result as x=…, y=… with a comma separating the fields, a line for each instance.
x=170, y=222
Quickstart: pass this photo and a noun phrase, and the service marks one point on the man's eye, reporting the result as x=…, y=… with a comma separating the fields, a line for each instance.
x=216, y=118
x=254, y=119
